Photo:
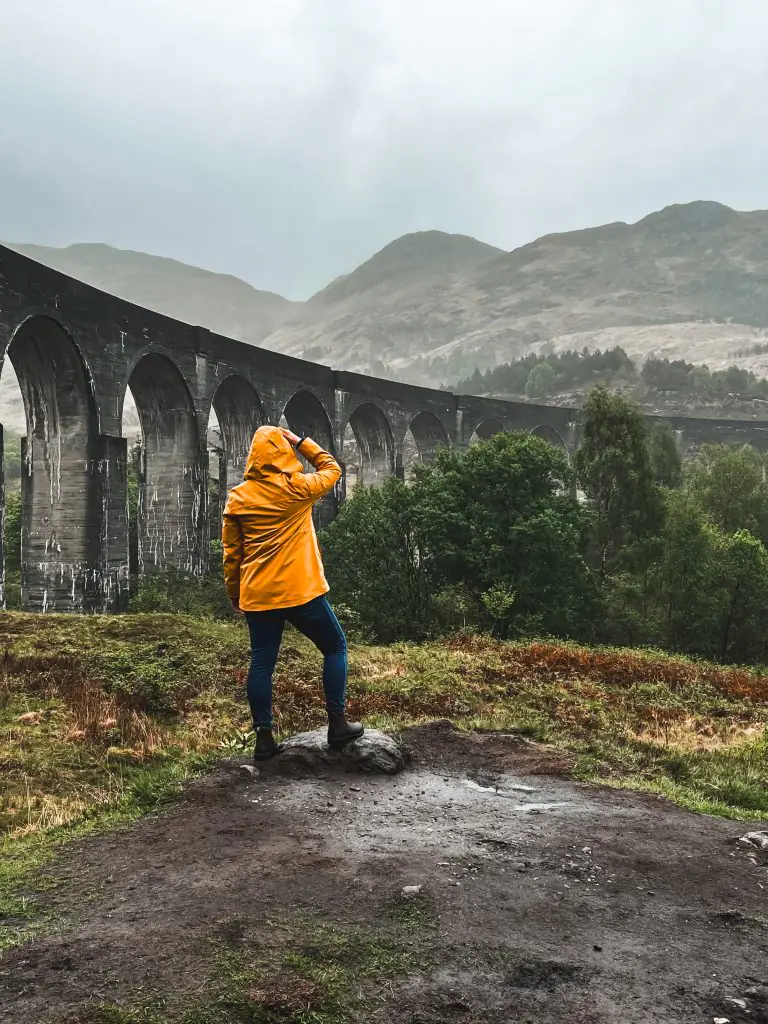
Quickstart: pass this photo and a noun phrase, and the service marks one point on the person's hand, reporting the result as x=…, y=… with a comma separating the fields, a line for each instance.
x=290, y=436
x=235, y=602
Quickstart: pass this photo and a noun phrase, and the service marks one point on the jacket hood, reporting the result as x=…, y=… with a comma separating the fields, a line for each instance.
x=271, y=454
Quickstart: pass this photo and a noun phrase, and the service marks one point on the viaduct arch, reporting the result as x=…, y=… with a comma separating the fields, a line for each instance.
x=77, y=350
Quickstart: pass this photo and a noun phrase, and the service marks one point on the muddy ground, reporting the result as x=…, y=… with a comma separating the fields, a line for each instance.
x=552, y=902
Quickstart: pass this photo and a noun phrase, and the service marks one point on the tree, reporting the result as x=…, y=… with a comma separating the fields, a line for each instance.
x=541, y=381
x=497, y=520
x=700, y=379
x=614, y=469
x=729, y=485
x=11, y=456
x=665, y=456
x=12, y=548
x=12, y=532
x=743, y=570
x=682, y=601
x=736, y=380
x=665, y=374
x=373, y=559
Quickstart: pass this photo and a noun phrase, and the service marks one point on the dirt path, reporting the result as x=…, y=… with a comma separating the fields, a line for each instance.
x=552, y=902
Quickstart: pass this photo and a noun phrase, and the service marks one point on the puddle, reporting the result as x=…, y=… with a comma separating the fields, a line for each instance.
x=509, y=791
x=512, y=791
x=538, y=807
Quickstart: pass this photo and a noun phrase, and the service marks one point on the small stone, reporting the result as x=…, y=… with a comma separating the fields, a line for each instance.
x=721, y=1020
x=598, y=949
x=250, y=769
x=409, y=891
x=741, y=1003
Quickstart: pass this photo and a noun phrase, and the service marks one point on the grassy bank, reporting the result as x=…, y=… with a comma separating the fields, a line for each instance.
x=102, y=719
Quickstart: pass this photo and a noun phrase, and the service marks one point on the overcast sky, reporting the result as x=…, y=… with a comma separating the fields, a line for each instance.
x=286, y=141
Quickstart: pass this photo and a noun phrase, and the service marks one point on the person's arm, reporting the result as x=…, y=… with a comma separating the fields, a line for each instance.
x=232, y=542
x=313, y=486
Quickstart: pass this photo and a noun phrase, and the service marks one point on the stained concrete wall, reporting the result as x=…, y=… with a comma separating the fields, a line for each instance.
x=76, y=350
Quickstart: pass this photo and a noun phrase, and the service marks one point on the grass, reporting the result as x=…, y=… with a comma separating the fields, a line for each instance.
x=26, y=859
x=310, y=974
x=102, y=719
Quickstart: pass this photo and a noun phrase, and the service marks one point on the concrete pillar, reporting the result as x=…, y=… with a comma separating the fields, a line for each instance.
x=376, y=459
x=240, y=413
x=110, y=470
x=463, y=424
x=399, y=466
x=61, y=526
x=231, y=473
x=61, y=502
x=326, y=510
x=305, y=414
x=374, y=445
x=429, y=435
x=572, y=438
x=173, y=509
x=173, y=489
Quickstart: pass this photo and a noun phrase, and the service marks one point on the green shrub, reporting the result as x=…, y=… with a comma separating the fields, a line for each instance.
x=174, y=590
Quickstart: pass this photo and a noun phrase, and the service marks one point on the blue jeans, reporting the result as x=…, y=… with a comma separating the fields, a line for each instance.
x=317, y=622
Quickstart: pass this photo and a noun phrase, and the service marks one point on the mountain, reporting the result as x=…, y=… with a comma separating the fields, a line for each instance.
x=383, y=316
x=688, y=281
x=429, y=256
x=220, y=302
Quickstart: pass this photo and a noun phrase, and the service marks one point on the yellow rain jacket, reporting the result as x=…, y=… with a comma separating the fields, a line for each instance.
x=271, y=555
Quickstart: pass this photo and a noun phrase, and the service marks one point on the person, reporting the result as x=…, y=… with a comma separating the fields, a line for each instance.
x=274, y=574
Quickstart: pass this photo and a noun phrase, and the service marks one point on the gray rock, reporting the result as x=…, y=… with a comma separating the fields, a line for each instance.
x=757, y=839
x=409, y=891
x=374, y=752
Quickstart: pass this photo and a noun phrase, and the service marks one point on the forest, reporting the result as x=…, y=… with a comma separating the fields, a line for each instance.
x=546, y=375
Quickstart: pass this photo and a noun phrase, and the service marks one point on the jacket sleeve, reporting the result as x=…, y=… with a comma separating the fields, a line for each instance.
x=232, y=542
x=312, y=486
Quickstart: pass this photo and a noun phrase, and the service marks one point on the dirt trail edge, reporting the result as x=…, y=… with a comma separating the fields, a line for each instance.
x=541, y=899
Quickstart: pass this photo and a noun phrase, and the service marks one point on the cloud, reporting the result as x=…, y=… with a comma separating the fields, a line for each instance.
x=285, y=141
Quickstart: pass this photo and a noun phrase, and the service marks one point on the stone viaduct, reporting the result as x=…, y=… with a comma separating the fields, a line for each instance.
x=76, y=351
